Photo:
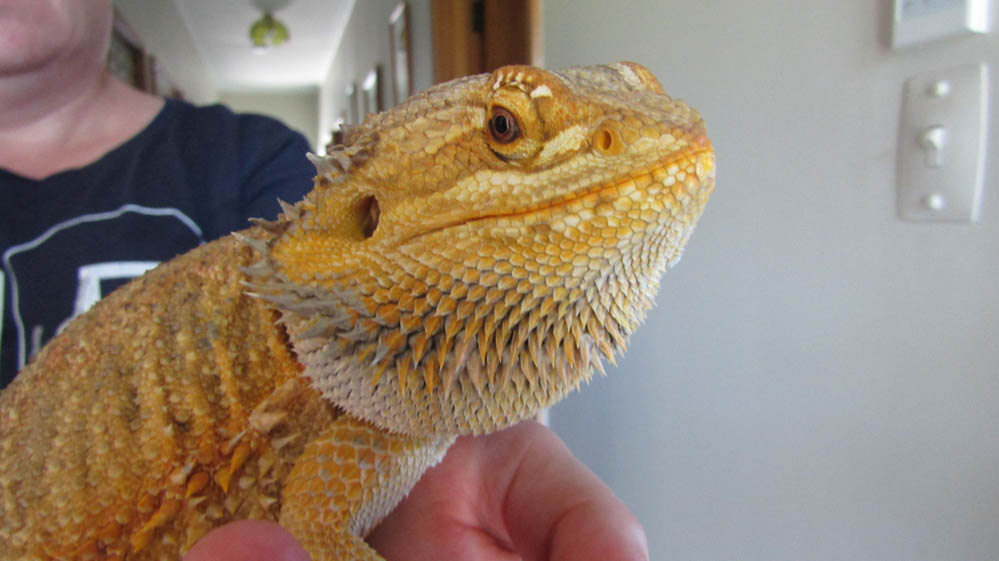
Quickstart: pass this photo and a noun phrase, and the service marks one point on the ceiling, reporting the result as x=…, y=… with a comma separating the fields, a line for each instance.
x=220, y=32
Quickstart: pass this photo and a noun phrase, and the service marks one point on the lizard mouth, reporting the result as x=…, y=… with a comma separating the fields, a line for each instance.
x=680, y=176
x=664, y=173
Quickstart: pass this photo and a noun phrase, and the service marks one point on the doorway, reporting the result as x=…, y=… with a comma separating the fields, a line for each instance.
x=476, y=36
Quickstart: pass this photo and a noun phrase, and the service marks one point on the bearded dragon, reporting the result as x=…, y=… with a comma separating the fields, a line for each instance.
x=464, y=260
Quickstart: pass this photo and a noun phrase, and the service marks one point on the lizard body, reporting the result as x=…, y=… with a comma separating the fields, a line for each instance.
x=463, y=261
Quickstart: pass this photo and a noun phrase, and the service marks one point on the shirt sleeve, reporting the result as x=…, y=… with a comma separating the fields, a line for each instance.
x=275, y=167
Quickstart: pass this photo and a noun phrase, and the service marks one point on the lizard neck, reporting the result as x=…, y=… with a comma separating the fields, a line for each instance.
x=470, y=395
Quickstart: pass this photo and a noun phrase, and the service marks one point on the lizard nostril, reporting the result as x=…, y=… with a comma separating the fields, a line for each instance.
x=608, y=141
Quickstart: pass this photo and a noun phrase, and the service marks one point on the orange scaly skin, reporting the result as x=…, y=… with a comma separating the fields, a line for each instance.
x=464, y=260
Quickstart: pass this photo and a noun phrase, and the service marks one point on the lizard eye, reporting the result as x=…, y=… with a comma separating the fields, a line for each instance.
x=503, y=126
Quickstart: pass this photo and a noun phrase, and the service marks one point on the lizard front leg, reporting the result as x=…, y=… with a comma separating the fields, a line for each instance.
x=346, y=480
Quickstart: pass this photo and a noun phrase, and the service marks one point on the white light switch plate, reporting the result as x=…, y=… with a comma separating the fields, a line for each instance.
x=942, y=145
x=919, y=21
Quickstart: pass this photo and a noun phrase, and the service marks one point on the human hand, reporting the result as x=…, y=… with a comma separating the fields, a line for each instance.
x=514, y=494
x=248, y=540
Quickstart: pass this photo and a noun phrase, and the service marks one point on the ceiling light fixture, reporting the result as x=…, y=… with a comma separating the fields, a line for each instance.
x=267, y=32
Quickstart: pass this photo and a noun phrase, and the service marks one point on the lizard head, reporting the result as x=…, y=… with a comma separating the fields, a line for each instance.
x=467, y=257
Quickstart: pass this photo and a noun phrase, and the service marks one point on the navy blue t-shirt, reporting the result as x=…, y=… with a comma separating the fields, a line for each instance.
x=192, y=175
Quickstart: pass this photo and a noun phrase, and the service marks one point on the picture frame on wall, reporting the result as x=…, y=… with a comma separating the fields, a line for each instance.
x=370, y=95
x=353, y=115
x=399, y=49
x=127, y=59
x=336, y=135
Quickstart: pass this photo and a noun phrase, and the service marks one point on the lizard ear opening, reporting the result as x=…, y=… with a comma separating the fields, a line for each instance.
x=370, y=212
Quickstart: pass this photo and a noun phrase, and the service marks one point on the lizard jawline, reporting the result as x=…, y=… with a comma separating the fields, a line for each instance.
x=548, y=205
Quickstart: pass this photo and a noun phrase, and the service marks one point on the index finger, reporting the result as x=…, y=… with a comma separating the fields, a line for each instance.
x=556, y=508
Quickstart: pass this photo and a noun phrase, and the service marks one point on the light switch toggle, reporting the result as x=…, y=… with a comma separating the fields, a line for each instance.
x=933, y=140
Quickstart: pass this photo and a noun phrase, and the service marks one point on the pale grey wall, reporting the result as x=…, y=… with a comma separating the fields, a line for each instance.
x=819, y=380
x=365, y=43
x=164, y=34
x=296, y=108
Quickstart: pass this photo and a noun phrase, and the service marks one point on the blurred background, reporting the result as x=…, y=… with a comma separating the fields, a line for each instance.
x=820, y=378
